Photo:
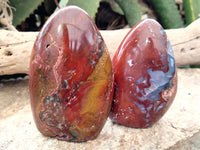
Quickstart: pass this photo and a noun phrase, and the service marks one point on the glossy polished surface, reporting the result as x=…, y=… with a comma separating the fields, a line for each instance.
x=71, y=78
x=145, y=78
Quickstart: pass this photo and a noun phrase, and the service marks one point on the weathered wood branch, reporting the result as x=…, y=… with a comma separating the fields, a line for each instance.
x=15, y=47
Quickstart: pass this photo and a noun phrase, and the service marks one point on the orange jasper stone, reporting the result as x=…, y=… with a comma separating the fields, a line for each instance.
x=71, y=78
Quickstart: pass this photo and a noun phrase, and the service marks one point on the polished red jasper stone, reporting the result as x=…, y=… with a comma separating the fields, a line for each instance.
x=145, y=76
x=71, y=77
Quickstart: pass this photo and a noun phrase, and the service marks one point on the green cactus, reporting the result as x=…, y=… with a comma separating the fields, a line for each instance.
x=23, y=9
x=132, y=10
x=167, y=13
x=90, y=6
x=192, y=10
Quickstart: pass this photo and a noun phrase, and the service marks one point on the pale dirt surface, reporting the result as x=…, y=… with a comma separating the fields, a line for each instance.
x=178, y=129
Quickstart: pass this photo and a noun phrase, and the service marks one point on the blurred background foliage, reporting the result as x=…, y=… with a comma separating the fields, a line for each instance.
x=30, y=15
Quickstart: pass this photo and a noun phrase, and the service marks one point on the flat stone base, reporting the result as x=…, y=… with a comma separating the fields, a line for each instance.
x=178, y=129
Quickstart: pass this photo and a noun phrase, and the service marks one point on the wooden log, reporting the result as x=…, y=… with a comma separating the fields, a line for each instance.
x=15, y=51
x=15, y=47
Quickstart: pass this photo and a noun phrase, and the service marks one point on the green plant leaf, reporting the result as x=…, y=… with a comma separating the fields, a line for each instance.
x=90, y=6
x=132, y=11
x=167, y=13
x=192, y=10
x=23, y=9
